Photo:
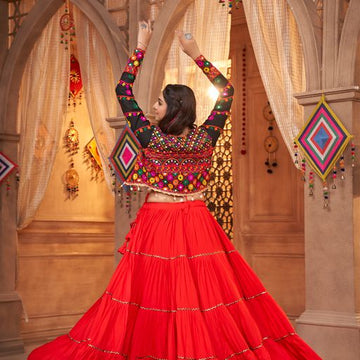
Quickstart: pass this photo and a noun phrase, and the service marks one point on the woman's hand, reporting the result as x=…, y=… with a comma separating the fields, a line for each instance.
x=188, y=44
x=144, y=34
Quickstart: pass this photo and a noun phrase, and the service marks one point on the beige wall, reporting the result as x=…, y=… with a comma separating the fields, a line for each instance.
x=66, y=255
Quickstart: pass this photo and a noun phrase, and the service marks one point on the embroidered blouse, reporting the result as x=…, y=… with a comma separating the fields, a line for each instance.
x=177, y=165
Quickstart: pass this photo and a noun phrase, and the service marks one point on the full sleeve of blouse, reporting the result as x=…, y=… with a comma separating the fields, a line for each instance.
x=216, y=120
x=137, y=121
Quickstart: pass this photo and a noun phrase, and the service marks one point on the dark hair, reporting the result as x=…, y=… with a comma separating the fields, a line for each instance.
x=181, y=109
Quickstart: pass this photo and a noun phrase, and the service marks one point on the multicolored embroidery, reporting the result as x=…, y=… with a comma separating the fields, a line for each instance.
x=174, y=164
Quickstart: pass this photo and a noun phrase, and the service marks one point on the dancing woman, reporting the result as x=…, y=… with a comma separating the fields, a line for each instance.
x=181, y=290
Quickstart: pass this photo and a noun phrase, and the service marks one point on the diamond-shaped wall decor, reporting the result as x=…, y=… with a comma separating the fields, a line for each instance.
x=6, y=166
x=124, y=154
x=323, y=139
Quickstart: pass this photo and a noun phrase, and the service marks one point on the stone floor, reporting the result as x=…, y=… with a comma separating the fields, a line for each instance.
x=28, y=349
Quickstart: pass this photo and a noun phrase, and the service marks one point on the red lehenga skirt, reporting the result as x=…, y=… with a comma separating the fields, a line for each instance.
x=181, y=291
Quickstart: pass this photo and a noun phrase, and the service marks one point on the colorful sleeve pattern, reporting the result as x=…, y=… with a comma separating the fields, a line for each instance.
x=138, y=123
x=216, y=120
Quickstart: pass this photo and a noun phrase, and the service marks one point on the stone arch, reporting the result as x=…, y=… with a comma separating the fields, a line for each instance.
x=29, y=32
x=348, y=47
x=306, y=18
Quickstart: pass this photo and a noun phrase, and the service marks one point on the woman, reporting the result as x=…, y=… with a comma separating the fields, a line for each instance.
x=181, y=290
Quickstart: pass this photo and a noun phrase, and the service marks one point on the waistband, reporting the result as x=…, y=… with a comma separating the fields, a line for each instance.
x=174, y=205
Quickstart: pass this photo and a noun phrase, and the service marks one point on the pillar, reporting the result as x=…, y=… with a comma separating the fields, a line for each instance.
x=331, y=321
x=10, y=303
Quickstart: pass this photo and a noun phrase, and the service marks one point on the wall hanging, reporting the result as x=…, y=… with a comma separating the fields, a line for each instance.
x=322, y=141
x=6, y=168
x=271, y=143
x=92, y=158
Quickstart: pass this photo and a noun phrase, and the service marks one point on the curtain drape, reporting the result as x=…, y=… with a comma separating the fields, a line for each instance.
x=41, y=111
x=277, y=46
x=99, y=85
x=209, y=23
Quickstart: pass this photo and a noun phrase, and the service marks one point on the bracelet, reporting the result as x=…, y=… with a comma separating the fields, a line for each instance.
x=145, y=46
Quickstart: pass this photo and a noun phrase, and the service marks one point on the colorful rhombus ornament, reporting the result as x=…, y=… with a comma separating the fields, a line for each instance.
x=323, y=139
x=6, y=167
x=124, y=154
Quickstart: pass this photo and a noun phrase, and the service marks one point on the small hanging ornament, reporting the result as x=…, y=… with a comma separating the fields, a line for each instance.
x=271, y=143
x=72, y=182
x=92, y=157
x=76, y=85
x=72, y=139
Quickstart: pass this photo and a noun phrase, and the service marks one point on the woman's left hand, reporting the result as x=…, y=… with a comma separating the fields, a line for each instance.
x=188, y=44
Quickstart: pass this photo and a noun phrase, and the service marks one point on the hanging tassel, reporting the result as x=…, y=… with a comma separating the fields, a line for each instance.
x=303, y=169
x=352, y=154
x=311, y=183
x=325, y=194
x=334, y=175
x=296, y=154
x=342, y=167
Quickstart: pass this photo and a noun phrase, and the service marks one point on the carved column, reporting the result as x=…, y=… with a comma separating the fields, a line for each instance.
x=10, y=303
x=3, y=31
x=331, y=321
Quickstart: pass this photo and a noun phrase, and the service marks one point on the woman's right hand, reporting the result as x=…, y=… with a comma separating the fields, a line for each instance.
x=144, y=34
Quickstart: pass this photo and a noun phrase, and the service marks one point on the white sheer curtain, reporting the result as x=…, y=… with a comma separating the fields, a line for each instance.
x=209, y=23
x=280, y=59
x=98, y=81
x=42, y=108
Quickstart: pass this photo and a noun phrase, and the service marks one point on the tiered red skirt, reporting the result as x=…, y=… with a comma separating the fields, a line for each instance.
x=181, y=291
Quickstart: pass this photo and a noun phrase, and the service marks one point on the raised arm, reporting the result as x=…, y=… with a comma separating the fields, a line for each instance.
x=124, y=89
x=216, y=120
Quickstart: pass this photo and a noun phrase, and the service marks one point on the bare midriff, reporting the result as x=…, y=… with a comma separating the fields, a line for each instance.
x=155, y=196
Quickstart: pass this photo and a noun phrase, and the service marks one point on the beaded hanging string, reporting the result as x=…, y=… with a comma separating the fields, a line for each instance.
x=243, y=105
x=303, y=169
x=67, y=26
x=311, y=183
x=296, y=154
x=352, y=154
x=334, y=175
x=231, y=4
x=342, y=167
x=325, y=194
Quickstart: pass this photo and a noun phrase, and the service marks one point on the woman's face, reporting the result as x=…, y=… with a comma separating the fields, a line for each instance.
x=160, y=108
